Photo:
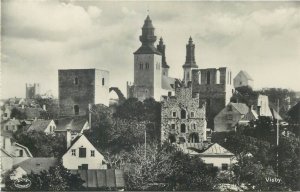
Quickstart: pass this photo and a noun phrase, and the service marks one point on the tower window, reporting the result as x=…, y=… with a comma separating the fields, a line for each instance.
x=183, y=114
x=76, y=109
x=208, y=77
x=147, y=65
x=173, y=114
x=192, y=114
x=103, y=82
x=141, y=66
x=76, y=81
x=173, y=126
x=182, y=128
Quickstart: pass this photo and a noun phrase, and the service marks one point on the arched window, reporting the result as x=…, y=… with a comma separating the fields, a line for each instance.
x=172, y=139
x=183, y=114
x=76, y=81
x=194, y=138
x=182, y=128
x=208, y=77
x=76, y=109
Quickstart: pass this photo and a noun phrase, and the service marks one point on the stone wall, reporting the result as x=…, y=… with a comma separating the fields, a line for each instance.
x=172, y=120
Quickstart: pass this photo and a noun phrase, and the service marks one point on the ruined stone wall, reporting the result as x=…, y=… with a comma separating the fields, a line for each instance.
x=171, y=125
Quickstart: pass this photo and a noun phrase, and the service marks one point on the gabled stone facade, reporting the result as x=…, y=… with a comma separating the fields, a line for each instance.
x=183, y=117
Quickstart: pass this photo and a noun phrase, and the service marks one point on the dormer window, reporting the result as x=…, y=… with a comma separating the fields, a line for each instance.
x=76, y=80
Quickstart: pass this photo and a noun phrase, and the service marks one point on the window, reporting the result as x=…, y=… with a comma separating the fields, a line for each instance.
x=21, y=153
x=76, y=80
x=83, y=167
x=5, y=114
x=183, y=114
x=208, y=77
x=92, y=153
x=50, y=128
x=194, y=125
x=76, y=109
x=188, y=75
x=192, y=114
x=194, y=138
x=173, y=126
x=6, y=127
x=73, y=152
x=224, y=166
x=103, y=82
x=173, y=114
x=147, y=65
x=210, y=165
x=229, y=117
x=182, y=128
x=141, y=66
x=82, y=152
x=172, y=139
x=229, y=107
x=13, y=127
x=181, y=140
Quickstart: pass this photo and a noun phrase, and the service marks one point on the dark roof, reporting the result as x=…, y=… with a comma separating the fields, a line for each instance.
x=147, y=49
x=39, y=125
x=216, y=150
x=76, y=124
x=37, y=164
x=294, y=113
x=100, y=178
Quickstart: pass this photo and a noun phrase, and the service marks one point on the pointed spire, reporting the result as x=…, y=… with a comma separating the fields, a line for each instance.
x=190, y=55
x=161, y=48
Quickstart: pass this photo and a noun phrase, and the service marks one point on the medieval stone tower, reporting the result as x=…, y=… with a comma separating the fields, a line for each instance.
x=183, y=118
x=32, y=90
x=190, y=62
x=215, y=86
x=80, y=87
x=150, y=67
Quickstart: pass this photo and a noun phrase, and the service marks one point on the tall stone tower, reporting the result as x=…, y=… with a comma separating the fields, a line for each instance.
x=147, y=66
x=80, y=87
x=190, y=62
x=161, y=47
x=32, y=90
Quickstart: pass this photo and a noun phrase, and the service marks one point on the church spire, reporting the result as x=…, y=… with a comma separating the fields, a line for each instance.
x=190, y=55
x=161, y=47
x=147, y=38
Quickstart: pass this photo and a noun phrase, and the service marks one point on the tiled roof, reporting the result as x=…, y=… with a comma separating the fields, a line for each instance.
x=241, y=107
x=37, y=164
x=167, y=83
x=216, y=149
x=39, y=125
x=294, y=113
x=76, y=124
x=147, y=49
x=99, y=178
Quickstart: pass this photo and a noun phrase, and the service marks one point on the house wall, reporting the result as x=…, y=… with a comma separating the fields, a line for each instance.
x=183, y=100
x=217, y=161
x=223, y=121
x=10, y=125
x=50, y=128
x=72, y=162
x=6, y=163
x=241, y=80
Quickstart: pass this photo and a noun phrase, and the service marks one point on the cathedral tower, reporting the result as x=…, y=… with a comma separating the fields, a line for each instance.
x=190, y=62
x=161, y=47
x=147, y=65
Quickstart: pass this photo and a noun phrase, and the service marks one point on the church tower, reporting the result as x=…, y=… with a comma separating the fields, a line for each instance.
x=190, y=62
x=147, y=65
x=161, y=47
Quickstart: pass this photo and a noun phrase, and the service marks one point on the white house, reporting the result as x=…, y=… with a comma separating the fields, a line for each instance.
x=82, y=155
x=217, y=156
x=242, y=79
x=46, y=126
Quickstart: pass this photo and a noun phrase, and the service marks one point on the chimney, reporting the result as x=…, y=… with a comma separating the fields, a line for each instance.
x=68, y=137
x=44, y=107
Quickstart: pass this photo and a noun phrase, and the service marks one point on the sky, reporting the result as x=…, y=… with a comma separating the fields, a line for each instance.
x=39, y=37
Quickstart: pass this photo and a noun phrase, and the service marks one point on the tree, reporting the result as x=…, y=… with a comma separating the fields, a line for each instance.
x=52, y=108
x=16, y=113
x=42, y=145
x=57, y=178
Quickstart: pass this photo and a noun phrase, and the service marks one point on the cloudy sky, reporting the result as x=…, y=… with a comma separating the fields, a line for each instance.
x=39, y=37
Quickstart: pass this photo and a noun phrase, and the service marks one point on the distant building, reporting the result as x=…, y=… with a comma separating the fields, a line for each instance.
x=46, y=126
x=232, y=115
x=80, y=87
x=150, y=67
x=217, y=156
x=243, y=79
x=11, y=125
x=183, y=117
x=34, y=165
x=215, y=87
x=32, y=90
x=81, y=154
